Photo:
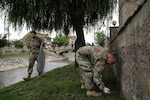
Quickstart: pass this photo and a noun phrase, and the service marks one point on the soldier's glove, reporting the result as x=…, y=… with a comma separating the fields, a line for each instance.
x=106, y=90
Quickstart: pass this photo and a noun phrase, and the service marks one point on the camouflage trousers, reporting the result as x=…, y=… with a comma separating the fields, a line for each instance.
x=32, y=59
x=85, y=71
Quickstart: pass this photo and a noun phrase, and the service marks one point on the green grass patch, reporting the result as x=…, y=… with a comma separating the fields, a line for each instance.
x=13, y=56
x=59, y=84
x=25, y=55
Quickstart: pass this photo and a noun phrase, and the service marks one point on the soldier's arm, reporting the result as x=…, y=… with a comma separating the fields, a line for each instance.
x=99, y=66
x=42, y=42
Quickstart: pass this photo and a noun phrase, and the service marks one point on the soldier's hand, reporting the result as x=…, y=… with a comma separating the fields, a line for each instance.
x=106, y=90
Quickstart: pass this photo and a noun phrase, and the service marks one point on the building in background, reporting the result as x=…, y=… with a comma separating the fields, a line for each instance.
x=45, y=37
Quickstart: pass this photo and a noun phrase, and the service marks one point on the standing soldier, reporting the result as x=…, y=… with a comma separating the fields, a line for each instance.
x=33, y=53
x=92, y=60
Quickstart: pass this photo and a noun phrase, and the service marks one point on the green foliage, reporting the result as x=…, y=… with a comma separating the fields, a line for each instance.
x=54, y=14
x=3, y=41
x=23, y=51
x=23, y=55
x=58, y=84
x=14, y=56
x=28, y=41
x=57, y=14
x=100, y=38
x=61, y=40
x=18, y=43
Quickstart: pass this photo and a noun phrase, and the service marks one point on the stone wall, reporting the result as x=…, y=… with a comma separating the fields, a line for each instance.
x=126, y=9
x=133, y=48
x=10, y=51
x=13, y=50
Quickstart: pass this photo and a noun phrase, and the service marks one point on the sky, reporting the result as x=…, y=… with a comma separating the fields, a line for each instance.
x=18, y=34
x=89, y=37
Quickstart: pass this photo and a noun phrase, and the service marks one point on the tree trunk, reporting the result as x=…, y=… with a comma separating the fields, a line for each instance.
x=80, y=41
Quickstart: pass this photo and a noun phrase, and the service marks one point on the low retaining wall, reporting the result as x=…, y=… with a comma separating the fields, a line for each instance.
x=11, y=51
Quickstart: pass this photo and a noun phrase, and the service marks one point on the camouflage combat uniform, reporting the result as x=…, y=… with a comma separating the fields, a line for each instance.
x=33, y=53
x=91, y=61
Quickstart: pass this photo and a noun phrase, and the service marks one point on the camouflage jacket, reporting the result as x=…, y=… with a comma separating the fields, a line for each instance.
x=35, y=45
x=96, y=55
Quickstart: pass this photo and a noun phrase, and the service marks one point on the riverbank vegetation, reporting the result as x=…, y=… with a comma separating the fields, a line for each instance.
x=59, y=84
x=25, y=55
x=13, y=56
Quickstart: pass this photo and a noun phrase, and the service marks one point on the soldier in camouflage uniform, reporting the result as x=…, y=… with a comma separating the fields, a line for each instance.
x=33, y=53
x=92, y=60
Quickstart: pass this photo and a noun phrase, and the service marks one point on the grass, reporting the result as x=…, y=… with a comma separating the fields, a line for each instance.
x=13, y=56
x=25, y=55
x=59, y=84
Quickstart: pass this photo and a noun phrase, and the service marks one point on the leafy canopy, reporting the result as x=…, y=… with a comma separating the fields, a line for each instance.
x=55, y=14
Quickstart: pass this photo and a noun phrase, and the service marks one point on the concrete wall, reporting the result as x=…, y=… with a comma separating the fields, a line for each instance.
x=126, y=9
x=133, y=48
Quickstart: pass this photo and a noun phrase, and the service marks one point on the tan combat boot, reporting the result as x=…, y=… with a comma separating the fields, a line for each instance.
x=39, y=75
x=27, y=78
x=93, y=93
